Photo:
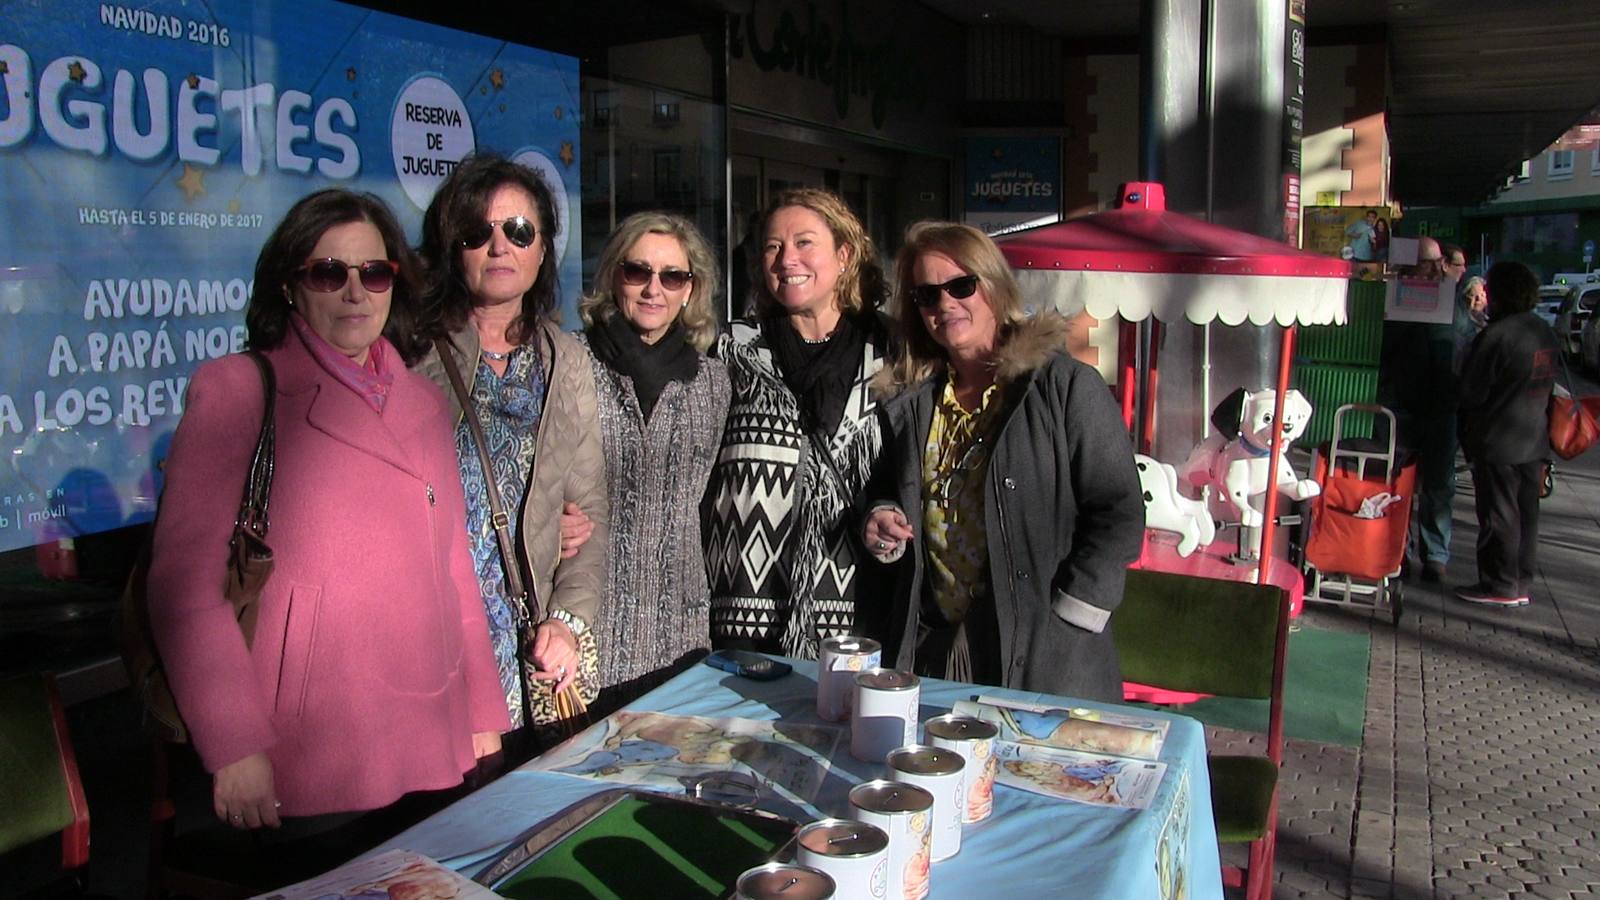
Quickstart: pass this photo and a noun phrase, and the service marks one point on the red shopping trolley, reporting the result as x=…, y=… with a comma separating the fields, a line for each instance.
x=1359, y=522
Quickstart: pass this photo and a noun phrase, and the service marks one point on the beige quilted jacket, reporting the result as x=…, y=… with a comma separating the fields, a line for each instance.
x=567, y=465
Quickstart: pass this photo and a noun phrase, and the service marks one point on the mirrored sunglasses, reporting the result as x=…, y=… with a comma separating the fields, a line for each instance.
x=329, y=275
x=926, y=295
x=637, y=274
x=518, y=230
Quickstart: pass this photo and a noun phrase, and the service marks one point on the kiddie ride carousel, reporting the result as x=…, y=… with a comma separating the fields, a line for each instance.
x=1147, y=290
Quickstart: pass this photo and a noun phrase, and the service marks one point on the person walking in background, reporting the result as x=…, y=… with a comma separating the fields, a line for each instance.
x=802, y=433
x=489, y=239
x=1010, y=477
x=318, y=717
x=1504, y=417
x=647, y=323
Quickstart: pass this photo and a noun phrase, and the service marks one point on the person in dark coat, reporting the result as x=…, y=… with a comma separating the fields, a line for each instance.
x=1009, y=474
x=1505, y=433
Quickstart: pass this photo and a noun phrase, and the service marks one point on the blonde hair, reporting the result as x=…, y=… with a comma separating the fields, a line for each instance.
x=921, y=357
x=861, y=284
x=698, y=318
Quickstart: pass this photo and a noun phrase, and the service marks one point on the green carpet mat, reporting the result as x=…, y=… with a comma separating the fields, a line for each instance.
x=1324, y=693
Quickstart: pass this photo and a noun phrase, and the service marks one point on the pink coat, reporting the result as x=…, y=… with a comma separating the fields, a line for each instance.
x=370, y=668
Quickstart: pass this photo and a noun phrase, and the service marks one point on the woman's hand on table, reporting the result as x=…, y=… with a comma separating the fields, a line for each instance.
x=242, y=794
x=886, y=533
x=555, y=653
x=575, y=530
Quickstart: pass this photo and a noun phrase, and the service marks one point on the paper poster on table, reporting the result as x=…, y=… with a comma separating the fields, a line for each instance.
x=146, y=152
x=387, y=876
x=664, y=751
x=1172, y=847
x=1076, y=728
x=1420, y=300
x=1091, y=778
x=1012, y=183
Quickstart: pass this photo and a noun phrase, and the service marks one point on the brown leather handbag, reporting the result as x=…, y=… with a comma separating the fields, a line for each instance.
x=249, y=564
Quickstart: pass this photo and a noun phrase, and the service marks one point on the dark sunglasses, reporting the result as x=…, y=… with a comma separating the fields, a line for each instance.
x=519, y=230
x=328, y=275
x=926, y=295
x=637, y=273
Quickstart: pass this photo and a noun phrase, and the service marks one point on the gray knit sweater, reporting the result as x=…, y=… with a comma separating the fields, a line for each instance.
x=656, y=606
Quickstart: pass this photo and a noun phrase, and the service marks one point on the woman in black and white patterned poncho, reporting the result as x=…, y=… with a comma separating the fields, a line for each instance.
x=802, y=435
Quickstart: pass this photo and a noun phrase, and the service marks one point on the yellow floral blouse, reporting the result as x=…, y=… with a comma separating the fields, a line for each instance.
x=955, y=464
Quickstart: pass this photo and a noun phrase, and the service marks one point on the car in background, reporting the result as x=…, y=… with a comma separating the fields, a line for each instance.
x=1589, y=345
x=1551, y=296
x=1575, y=312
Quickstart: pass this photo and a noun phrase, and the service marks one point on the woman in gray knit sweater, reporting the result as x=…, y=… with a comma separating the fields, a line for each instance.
x=648, y=321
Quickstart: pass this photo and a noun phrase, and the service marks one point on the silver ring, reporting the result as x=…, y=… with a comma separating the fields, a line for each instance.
x=882, y=545
x=561, y=671
x=236, y=817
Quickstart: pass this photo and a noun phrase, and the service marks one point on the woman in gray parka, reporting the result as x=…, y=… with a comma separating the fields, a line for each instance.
x=1009, y=474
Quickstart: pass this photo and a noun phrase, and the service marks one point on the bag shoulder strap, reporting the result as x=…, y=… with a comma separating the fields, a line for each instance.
x=521, y=602
x=258, y=485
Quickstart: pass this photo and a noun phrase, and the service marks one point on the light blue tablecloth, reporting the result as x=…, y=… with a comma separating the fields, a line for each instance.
x=1033, y=846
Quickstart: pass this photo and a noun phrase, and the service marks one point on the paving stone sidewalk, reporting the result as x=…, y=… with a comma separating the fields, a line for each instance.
x=1478, y=774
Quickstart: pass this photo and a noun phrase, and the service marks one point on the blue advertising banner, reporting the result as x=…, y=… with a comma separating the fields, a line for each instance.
x=146, y=152
x=1012, y=182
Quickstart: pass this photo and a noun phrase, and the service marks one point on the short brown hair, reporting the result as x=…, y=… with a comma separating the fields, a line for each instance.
x=1513, y=288
x=266, y=316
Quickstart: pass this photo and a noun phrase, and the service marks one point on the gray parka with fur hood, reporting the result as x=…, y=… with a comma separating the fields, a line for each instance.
x=1062, y=509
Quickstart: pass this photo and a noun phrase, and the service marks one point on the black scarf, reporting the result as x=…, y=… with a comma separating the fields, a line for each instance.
x=820, y=375
x=651, y=366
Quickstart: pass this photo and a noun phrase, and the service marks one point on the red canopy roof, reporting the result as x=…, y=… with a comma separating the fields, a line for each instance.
x=1140, y=260
x=1142, y=235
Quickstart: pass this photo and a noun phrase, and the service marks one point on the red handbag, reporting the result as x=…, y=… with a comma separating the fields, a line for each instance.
x=1573, y=428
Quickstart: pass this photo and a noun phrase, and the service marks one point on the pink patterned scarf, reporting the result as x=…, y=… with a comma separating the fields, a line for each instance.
x=371, y=382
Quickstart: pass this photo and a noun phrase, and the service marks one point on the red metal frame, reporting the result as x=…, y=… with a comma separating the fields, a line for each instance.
x=75, y=837
x=1269, y=509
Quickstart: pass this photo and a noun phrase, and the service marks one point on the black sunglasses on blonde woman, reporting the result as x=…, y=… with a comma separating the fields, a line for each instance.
x=518, y=230
x=328, y=275
x=926, y=295
x=637, y=273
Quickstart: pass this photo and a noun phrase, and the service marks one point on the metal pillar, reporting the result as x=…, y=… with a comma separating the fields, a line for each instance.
x=1212, y=131
x=1211, y=108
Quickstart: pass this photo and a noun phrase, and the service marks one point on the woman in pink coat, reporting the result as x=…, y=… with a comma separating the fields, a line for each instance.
x=369, y=676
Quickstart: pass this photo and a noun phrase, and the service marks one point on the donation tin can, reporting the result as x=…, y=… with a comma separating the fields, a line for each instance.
x=854, y=854
x=842, y=658
x=884, y=713
x=783, y=881
x=905, y=813
x=974, y=740
x=937, y=771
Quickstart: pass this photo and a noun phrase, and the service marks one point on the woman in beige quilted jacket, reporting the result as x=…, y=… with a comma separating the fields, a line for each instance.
x=488, y=237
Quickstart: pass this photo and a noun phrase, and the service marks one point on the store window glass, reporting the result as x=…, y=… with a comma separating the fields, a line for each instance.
x=647, y=148
x=1554, y=233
